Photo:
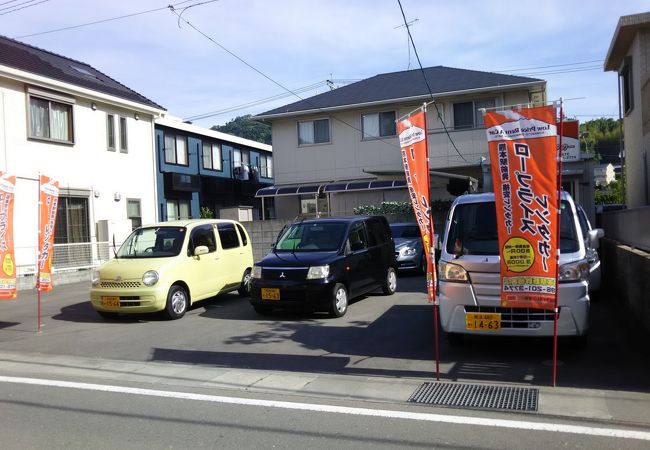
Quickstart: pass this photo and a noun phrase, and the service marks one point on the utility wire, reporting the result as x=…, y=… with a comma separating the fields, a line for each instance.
x=72, y=27
x=293, y=92
x=553, y=65
x=415, y=50
x=18, y=4
x=22, y=7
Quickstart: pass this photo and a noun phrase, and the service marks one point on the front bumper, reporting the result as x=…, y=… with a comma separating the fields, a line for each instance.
x=293, y=294
x=458, y=299
x=131, y=300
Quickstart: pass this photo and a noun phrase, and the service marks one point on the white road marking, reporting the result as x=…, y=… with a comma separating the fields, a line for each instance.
x=441, y=418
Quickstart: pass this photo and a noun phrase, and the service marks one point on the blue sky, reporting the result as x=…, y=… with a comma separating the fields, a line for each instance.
x=302, y=43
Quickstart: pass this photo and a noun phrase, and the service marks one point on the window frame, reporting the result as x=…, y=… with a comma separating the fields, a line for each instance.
x=50, y=98
x=110, y=132
x=138, y=218
x=124, y=134
x=266, y=169
x=175, y=150
x=627, y=84
x=313, y=121
x=212, y=145
x=367, y=137
x=176, y=203
x=477, y=119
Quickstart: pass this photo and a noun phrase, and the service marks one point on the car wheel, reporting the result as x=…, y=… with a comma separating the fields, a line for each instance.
x=423, y=263
x=339, y=302
x=177, y=302
x=262, y=310
x=455, y=339
x=107, y=315
x=391, y=282
x=245, y=287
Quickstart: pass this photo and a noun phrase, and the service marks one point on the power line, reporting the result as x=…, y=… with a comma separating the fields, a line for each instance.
x=255, y=69
x=553, y=65
x=31, y=3
x=18, y=4
x=415, y=50
x=72, y=27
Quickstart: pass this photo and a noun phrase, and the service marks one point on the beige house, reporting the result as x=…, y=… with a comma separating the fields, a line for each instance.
x=629, y=55
x=339, y=149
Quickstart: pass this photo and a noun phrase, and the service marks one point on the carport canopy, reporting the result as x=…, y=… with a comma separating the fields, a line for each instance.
x=338, y=186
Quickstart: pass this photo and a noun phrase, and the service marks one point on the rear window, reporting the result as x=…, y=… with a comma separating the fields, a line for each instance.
x=473, y=230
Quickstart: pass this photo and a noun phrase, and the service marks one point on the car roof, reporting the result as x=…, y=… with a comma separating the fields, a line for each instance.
x=188, y=223
x=345, y=219
x=489, y=197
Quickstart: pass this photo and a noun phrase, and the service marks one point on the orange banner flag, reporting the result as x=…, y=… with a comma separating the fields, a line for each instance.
x=412, y=131
x=48, y=202
x=524, y=165
x=7, y=255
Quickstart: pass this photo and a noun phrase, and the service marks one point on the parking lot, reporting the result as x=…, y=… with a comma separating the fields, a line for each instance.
x=389, y=336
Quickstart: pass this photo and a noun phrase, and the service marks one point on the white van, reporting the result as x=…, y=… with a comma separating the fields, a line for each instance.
x=469, y=280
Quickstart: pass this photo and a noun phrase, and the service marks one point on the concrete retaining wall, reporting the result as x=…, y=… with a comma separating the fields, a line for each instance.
x=626, y=272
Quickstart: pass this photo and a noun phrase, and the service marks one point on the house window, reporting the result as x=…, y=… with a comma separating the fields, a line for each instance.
x=266, y=166
x=124, y=145
x=110, y=131
x=212, y=156
x=133, y=212
x=178, y=209
x=314, y=132
x=378, y=124
x=468, y=115
x=49, y=119
x=72, y=221
x=627, y=93
x=241, y=157
x=175, y=149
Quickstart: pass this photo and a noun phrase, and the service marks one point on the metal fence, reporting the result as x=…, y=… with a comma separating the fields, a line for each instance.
x=84, y=255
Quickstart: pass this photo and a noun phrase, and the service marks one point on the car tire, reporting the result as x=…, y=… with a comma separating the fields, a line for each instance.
x=108, y=315
x=177, y=302
x=262, y=310
x=245, y=287
x=339, y=301
x=390, y=286
x=455, y=339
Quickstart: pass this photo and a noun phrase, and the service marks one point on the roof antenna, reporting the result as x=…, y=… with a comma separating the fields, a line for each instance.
x=330, y=83
x=408, y=42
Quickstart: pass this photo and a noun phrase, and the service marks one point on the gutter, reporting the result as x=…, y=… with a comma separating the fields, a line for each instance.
x=264, y=117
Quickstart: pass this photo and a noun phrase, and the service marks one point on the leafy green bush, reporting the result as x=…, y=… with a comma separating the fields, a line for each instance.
x=387, y=208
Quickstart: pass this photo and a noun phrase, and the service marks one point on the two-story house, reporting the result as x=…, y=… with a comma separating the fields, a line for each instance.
x=65, y=119
x=339, y=149
x=201, y=168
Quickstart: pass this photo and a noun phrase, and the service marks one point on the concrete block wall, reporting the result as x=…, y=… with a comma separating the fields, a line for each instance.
x=626, y=272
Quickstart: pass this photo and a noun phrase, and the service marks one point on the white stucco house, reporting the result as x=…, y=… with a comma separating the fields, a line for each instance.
x=65, y=119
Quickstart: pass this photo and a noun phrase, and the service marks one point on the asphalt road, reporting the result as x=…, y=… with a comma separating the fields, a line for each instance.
x=380, y=336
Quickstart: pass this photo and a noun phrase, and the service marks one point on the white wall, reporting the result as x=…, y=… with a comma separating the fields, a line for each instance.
x=86, y=166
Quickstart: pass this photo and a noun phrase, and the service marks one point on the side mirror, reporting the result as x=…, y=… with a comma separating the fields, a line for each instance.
x=201, y=250
x=594, y=237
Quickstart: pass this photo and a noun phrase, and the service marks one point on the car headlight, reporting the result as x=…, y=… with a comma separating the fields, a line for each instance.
x=257, y=272
x=318, y=272
x=408, y=251
x=95, y=277
x=150, y=278
x=452, y=272
x=575, y=271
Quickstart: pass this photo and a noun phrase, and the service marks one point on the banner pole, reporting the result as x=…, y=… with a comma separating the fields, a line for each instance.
x=38, y=254
x=557, y=237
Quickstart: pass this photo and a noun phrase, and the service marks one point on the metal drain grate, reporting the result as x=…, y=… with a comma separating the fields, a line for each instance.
x=477, y=396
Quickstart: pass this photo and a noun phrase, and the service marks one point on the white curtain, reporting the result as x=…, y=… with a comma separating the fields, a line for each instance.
x=181, y=151
x=306, y=133
x=60, y=126
x=39, y=118
x=371, y=125
x=207, y=156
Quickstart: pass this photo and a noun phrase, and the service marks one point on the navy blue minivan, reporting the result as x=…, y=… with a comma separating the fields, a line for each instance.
x=320, y=264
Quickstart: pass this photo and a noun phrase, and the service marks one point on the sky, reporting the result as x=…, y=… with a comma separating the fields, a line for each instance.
x=223, y=54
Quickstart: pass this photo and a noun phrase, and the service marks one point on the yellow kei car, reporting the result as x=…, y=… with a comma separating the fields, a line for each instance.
x=170, y=265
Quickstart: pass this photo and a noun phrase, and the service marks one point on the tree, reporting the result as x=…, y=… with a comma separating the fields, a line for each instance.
x=602, y=137
x=246, y=127
x=612, y=193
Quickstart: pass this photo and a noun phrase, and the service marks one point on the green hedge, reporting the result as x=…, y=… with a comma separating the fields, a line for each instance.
x=386, y=208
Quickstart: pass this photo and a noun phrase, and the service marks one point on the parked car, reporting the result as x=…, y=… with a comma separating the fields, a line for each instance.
x=170, y=265
x=469, y=279
x=409, y=251
x=322, y=263
x=592, y=243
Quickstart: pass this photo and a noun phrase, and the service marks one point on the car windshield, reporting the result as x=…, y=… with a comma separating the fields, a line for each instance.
x=473, y=230
x=312, y=237
x=408, y=231
x=153, y=242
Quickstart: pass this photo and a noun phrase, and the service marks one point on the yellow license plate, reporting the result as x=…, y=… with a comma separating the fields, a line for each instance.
x=270, y=294
x=111, y=302
x=483, y=321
